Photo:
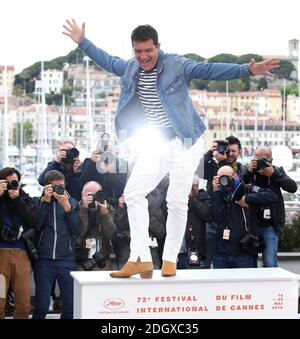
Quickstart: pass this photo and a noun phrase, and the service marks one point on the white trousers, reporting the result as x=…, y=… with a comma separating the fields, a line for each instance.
x=181, y=163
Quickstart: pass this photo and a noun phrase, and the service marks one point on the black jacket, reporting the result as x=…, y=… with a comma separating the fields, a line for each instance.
x=237, y=219
x=57, y=230
x=199, y=213
x=23, y=207
x=278, y=180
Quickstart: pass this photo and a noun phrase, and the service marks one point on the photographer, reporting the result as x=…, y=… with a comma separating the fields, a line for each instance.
x=17, y=217
x=104, y=167
x=97, y=225
x=261, y=172
x=67, y=162
x=121, y=241
x=193, y=252
x=235, y=209
x=58, y=224
x=222, y=153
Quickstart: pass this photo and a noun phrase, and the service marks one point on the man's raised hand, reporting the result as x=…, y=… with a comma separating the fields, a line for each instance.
x=74, y=31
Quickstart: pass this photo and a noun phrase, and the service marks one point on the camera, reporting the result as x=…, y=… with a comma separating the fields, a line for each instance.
x=193, y=257
x=104, y=142
x=13, y=185
x=222, y=146
x=225, y=181
x=97, y=260
x=9, y=234
x=72, y=153
x=251, y=244
x=108, y=158
x=98, y=196
x=59, y=189
x=29, y=238
x=262, y=163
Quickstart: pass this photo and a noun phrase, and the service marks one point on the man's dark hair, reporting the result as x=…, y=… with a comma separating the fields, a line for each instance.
x=234, y=141
x=7, y=171
x=143, y=33
x=53, y=175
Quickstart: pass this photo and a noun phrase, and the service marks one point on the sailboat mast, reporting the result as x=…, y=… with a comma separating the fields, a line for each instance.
x=5, y=121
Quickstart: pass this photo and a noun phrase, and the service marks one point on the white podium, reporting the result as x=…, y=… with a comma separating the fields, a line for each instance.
x=191, y=294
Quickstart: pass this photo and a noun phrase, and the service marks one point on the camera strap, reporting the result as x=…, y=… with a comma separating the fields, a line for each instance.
x=99, y=231
x=251, y=219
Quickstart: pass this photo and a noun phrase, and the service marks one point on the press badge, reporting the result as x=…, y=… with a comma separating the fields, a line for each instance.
x=267, y=213
x=226, y=234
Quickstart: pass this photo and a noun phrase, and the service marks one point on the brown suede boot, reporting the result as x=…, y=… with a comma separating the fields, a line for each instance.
x=145, y=269
x=168, y=269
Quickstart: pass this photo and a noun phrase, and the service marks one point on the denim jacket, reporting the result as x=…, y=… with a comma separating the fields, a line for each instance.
x=174, y=74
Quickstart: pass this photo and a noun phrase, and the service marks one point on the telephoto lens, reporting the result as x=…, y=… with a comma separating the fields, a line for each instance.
x=225, y=181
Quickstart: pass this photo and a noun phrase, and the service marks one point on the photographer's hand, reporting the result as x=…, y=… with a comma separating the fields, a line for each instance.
x=103, y=207
x=242, y=203
x=214, y=146
x=63, y=200
x=253, y=165
x=3, y=186
x=48, y=193
x=95, y=156
x=267, y=172
x=216, y=183
x=13, y=194
x=87, y=199
x=219, y=156
x=60, y=155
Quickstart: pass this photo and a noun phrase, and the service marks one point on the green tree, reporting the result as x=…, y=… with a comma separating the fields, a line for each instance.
x=237, y=85
x=195, y=57
x=289, y=90
x=262, y=83
x=67, y=90
x=27, y=133
x=246, y=58
x=54, y=99
x=225, y=58
x=285, y=69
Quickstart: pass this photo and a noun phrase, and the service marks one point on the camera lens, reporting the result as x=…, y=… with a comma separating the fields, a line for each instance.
x=100, y=196
x=221, y=149
x=225, y=181
x=59, y=189
x=262, y=163
x=13, y=185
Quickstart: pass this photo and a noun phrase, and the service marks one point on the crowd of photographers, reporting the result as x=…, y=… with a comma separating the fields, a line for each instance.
x=80, y=222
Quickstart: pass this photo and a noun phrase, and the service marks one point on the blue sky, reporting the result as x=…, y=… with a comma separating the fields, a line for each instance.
x=30, y=30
